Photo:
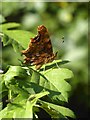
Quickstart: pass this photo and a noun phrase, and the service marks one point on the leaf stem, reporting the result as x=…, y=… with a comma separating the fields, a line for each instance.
x=9, y=95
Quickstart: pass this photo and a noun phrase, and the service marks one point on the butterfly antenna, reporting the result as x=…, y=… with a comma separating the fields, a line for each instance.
x=57, y=65
x=62, y=40
x=57, y=52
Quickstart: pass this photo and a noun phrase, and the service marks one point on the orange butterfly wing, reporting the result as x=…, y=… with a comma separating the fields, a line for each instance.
x=40, y=50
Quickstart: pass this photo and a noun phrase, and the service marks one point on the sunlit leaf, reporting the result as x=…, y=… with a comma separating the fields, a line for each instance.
x=56, y=80
x=14, y=71
x=15, y=37
x=60, y=109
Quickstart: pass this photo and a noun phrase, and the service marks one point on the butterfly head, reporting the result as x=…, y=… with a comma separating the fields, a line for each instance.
x=41, y=29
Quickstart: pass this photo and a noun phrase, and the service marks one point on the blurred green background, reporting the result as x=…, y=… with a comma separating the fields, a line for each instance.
x=68, y=19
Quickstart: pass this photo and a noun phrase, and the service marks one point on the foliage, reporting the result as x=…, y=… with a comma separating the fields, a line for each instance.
x=68, y=19
x=28, y=89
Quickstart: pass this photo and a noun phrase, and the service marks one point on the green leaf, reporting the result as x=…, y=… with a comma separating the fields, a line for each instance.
x=18, y=112
x=18, y=106
x=35, y=77
x=21, y=107
x=6, y=40
x=18, y=38
x=56, y=81
x=60, y=109
x=9, y=26
x=3, y=113
x=52, y=112
x=14, y=71
x=3, y=89
x=35, y=97
x=54, y=64
x=53, y=80
x=33, y=88
x=29, y=110
x=31, y=102
x=28, y=105
x=15, y=109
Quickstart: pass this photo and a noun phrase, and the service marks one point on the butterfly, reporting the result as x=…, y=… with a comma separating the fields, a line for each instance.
x=40, y=50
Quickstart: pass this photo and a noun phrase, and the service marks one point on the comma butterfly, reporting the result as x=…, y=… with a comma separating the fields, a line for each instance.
x=40, y=50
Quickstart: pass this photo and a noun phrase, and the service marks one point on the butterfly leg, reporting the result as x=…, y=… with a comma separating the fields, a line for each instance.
x=44, y=68
x=57, y=65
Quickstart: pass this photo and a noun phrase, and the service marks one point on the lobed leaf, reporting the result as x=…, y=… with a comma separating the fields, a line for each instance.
x=55, y=80
x=9, y=26
x=54, y=64
x=18, y=38
x=9, y=76
x=60, y=109
x=21, y=107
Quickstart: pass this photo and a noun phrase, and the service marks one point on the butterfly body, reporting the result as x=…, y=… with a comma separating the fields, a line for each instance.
x=40, y=50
